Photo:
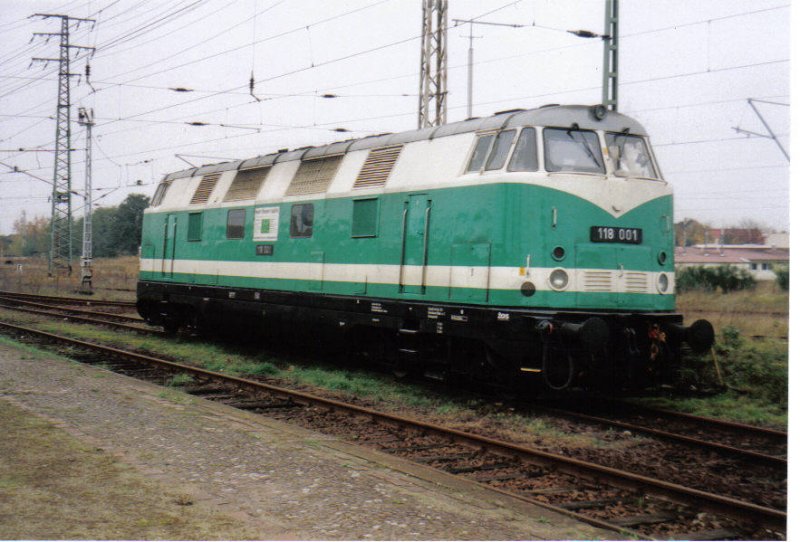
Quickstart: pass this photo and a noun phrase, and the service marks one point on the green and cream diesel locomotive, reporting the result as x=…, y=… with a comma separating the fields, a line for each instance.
x=533, y=245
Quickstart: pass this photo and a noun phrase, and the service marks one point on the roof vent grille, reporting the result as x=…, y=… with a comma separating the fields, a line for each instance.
x=377, y=167
x=205, y=188
x=314, y=176
x=246, y=184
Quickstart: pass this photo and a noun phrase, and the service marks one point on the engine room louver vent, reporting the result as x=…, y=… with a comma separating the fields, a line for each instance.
x=597, y=281
x=314, y=176
x=377, y=167
x=204, y=189
x=246, y=184
x=635, y=283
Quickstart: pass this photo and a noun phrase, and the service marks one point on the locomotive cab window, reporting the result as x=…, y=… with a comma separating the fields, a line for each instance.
x=574, y=150
x=235, y=227
x=480, y=152
x=524, y=157
x=502, y=144
x=629, y=156
x=301, y=221
x=195, y=230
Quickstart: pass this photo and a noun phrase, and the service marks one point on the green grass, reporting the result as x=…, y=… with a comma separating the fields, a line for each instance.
x=31, y=352
x=180, y=379
x=225, y=359
x=730, y=405
x=755, y=373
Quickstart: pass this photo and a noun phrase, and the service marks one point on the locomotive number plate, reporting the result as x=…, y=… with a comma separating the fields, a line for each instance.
x=614, y=234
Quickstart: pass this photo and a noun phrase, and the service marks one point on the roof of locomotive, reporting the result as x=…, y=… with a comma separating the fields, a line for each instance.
x=548, y=115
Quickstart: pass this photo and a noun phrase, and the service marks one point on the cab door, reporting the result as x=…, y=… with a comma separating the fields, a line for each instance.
x=168, y=250
x=414, y=249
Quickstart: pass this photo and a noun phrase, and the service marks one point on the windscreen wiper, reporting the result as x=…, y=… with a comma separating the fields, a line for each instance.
x=586, y=148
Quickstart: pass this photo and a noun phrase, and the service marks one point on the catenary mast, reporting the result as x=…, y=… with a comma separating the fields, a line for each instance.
x=60, y=256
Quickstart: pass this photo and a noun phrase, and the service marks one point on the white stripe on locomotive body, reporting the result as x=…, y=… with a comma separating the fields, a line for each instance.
x=428, y=165
x=492, y=278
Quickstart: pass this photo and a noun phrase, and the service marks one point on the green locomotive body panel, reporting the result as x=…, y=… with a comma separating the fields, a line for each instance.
x=474, y=244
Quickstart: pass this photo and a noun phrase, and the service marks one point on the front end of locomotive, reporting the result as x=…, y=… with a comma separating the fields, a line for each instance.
x=605, y=247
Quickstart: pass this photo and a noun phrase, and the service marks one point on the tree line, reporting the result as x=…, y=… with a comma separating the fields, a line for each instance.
x=116, y=231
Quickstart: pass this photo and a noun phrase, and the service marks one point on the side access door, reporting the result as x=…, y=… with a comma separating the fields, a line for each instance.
x=414, y=250
x=168, y=247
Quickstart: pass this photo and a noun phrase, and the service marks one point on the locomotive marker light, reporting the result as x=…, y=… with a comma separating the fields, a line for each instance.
x=559, y=279
x=663, y=283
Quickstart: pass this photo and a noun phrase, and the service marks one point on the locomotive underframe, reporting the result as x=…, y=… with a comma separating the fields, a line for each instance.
x=507, y=346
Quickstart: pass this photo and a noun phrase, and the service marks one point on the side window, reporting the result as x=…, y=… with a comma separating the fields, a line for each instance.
x=195, y=232
x=301, y=220
x=365, y=217
x=524, y=157
x=497, y=158
x=235, y=229
x=479, y=154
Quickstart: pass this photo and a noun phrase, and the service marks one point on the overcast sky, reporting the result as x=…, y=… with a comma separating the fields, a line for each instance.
x=687, y=70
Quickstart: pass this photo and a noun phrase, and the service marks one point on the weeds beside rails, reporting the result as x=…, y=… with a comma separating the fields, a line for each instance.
x=754, y=387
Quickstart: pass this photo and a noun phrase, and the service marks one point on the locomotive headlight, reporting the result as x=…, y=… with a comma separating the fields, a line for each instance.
x=558, y=279
x=663, y=283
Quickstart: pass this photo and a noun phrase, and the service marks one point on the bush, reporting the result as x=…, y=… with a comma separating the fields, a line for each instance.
x=725, y=277
x=759, y=370
x=782, y=278
x=731, y=337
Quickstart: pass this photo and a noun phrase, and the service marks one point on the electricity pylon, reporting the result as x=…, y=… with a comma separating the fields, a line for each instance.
x=60, y=256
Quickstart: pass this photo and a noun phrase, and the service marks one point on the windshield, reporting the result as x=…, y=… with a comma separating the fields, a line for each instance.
x=629, y=156
x=572, y=150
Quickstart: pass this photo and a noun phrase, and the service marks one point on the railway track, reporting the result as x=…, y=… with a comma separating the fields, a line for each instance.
x=119, y=321
x=59, y=300
x=760, y=444
x=605, y=496
x=750, y=442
